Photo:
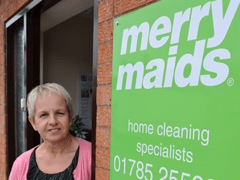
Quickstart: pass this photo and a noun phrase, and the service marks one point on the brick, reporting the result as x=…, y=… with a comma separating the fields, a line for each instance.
x=2, y=90
x=22, y=3
x=3, y=139
x=105, y=52
x=122, y=6
x=2, y=59
x=2, y=149
x=2, y=110
x=101, y=174
x=105, y=31
x=3, y=159
x=2, y=49
x=2, y=7
x=3, y=176
x=13, y=9
x=1, y=29
x=104, y=116
x=2, y=69
x=103, y=137
x=3, y=168
x=1, y=19
x=2, y=100
x=8, y=3
x=2, y=119
x=10, y=11
x=1, y=39
x=104, y=95
x=5, y=16
x=104, y=74
x=2, y=80
x=103, y=158
x=105, y=11
x=2, y=129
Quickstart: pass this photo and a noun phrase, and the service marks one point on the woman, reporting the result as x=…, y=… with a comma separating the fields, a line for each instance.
x=61, y=156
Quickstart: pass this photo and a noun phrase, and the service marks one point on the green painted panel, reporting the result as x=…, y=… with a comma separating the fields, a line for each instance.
x=175, y=92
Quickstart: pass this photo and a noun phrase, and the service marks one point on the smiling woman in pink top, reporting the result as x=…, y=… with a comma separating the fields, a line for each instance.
x=61, y=156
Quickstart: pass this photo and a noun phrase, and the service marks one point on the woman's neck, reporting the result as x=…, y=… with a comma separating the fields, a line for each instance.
x=57, y=148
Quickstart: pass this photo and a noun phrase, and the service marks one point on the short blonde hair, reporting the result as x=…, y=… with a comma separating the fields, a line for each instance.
x=41, y=90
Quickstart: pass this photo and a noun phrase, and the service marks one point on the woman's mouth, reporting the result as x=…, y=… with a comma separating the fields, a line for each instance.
x=54, y=130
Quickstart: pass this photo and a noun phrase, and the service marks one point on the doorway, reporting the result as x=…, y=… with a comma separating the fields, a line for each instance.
x=57, y=47
x=66, y=55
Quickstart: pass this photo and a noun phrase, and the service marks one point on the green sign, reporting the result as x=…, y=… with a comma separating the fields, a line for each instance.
x=175, y=92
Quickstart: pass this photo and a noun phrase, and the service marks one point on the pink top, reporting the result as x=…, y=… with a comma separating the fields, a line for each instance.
x=82, y=171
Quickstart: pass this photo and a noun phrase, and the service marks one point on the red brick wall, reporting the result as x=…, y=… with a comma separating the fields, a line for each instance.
x=108, y=10
x=7, y=9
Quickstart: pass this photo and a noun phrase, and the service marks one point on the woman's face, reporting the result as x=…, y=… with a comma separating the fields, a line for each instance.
x=51, y=118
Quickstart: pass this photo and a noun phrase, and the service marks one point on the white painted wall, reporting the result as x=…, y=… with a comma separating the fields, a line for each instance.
x=62, y=11
x=67, y=49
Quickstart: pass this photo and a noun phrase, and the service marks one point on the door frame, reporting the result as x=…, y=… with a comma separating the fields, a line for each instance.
x=33, y=75
x=29, y=18
x=94, y=85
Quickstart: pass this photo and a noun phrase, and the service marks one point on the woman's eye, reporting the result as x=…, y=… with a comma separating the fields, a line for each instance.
x=43, y=115
x=60, y=113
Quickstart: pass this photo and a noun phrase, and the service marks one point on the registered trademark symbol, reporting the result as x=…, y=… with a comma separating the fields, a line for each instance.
x=230, y=81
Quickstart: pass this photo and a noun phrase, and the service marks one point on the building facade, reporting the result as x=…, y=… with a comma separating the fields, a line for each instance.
x=107, y=11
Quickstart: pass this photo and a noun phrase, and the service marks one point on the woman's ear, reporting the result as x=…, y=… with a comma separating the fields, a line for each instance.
x=71, y=117
x=32, y=123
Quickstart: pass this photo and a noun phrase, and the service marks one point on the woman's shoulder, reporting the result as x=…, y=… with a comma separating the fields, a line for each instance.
x=20, y=165
x=85, y=152
x=83, y=170
x=85, y=145
x=24, y=157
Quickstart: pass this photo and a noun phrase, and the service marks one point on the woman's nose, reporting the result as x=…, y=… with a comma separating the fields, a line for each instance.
x=53, y=120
